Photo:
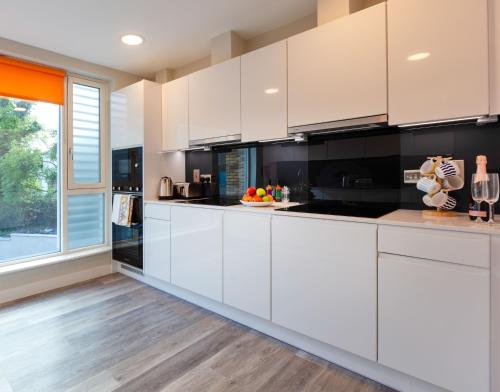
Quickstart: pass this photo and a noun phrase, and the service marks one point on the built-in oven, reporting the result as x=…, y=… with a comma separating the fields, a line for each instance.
x=127, y=169
x=127, y=180
x=128, y=240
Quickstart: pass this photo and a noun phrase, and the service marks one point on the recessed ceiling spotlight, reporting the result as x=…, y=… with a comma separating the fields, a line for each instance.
x=271, y=91
x=132, y=39
x=418, y=56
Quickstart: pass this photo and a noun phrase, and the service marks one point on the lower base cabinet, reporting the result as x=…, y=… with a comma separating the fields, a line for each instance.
x=197, y=250
x=157, y=248
x=434, y=321
x=247, y=262
x=324, y=281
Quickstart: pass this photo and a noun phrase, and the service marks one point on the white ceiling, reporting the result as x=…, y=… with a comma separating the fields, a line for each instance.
x=176, y=32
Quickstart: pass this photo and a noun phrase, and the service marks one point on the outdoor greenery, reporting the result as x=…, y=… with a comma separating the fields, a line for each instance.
x=28, y=172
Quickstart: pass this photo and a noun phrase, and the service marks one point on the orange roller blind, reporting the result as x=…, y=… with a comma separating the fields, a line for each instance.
x=23, y=80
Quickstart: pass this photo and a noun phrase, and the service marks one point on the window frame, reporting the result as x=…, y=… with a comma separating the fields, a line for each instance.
x=66, y=187
x=103, y=98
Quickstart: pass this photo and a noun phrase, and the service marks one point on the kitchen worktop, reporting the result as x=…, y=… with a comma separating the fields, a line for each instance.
x=400, y=217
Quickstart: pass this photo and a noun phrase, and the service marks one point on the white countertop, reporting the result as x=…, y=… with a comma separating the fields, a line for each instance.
x=407, y=218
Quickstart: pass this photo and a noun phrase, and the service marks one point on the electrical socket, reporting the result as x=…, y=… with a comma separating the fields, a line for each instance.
x=411, y=176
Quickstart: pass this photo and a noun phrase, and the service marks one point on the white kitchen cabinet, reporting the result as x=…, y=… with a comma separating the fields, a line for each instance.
x=264, y=93
x=324, y=281
x=247, y=262
x=438, y=60
x=157, y=248
x=127, y=116
x=197, y=250
x=136, y=121
x=214, y=102
x=338, y=70
x=434, y=321
x=494, y=40
x=175, y=115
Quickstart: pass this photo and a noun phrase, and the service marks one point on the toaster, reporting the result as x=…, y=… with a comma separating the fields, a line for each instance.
x=187, y=190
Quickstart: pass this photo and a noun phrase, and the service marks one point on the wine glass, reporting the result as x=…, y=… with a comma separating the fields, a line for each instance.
x=491, y=192
x=477, y=192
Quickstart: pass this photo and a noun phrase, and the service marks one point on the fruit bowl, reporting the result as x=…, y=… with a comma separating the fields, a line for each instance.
x=256, y=203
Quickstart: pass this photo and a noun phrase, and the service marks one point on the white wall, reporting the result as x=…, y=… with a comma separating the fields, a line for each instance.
x=117, y=79
x=29, y=282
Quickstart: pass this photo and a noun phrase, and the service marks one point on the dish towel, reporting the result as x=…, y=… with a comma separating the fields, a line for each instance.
x=122, y=210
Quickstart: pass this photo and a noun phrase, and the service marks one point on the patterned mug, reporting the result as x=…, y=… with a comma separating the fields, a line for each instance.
x=428, y=185
x=447, y=169
x=444, y=201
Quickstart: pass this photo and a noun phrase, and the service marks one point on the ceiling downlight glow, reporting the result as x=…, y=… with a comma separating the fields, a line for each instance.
x=132, y=39
x=418, y=56
x=271, y=91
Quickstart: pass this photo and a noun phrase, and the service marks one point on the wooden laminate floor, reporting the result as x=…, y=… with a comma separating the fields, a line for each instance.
x=116, y=334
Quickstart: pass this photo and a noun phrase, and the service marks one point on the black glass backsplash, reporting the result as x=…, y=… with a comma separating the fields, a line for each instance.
x=356, y=167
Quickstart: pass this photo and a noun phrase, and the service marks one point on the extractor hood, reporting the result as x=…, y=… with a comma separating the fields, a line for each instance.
x=216, y=140
x=355, y=124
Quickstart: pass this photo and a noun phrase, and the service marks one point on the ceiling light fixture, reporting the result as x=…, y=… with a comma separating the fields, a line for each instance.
x=418, y=56
x=132, y=39
x=271, y=91
x=19, y=109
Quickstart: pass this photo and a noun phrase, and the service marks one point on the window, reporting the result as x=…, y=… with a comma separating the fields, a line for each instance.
x=86, y=195
x=29, y=174
x=50, y=201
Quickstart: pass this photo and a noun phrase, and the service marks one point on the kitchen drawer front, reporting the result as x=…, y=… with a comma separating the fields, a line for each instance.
x=157, y=211
x=453, y=247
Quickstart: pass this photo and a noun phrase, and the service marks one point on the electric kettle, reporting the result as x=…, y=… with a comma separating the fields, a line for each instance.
x=166, y=188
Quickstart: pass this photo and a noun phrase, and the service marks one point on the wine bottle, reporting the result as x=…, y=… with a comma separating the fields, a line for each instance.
x=479, y=209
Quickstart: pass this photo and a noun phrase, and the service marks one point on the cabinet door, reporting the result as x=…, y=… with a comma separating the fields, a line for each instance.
x=438, y=59
x=264, y=93
x=434, y=321
x=214, y=101
x=175, y=115
x=127, y=116
x=197, y=250
x=338, y=71
x=324, y=284
x=494, y=40
x=157, y=249
x=247, y=262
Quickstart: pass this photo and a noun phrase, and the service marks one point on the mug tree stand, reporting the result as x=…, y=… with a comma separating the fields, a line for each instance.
x=439, y=213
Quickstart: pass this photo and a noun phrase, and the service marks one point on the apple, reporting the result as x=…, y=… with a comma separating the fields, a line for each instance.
x=251, y=191
x=261, y=192
x=266, y=198
x=257, y=199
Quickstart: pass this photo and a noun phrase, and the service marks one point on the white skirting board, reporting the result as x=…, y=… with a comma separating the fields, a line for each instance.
x=372, y=370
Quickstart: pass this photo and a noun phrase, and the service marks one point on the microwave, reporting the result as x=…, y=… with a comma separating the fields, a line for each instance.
x=127, y=169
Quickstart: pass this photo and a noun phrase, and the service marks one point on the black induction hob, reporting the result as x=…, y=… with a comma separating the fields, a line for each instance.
x=213, y=201
x=356, y=209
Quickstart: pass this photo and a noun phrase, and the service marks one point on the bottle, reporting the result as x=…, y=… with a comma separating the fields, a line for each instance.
x=479, y=209
x=286, y=195
x=278, y=191
x=269, y=189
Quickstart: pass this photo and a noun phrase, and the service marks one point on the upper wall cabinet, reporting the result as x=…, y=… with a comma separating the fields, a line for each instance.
x=127, y=116
x=264, y=93
x=338, y=71
x=494, y=24
x=214, y=103
x=175, y=115
x=438, y=60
